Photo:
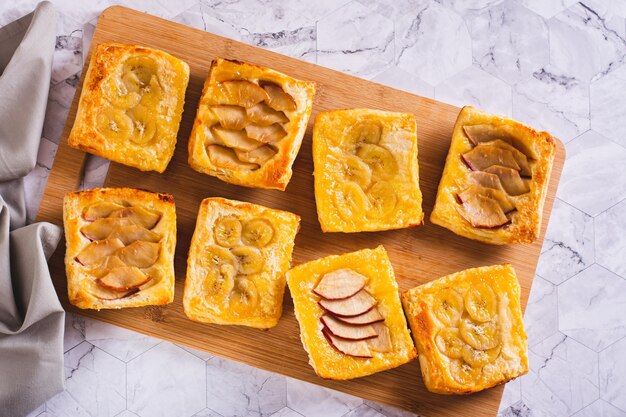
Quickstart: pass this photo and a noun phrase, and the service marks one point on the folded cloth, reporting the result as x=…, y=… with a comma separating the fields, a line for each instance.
x=31, y=317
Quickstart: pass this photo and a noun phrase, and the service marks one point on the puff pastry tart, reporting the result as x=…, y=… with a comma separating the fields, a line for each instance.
x=351, y=320
x=495, y=180
x=237, y=262
x=468, y=329
x=131, y=105
x=120, y=247
x=366, y=171
x=250, y=124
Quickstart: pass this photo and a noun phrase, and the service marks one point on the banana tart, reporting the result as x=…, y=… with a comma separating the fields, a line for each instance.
x=131, y=105
x=250, y=124
x=468, y=329
x=237, y=262
x=366, y=171
x=350, y=316
x=120, y=247
x=495, y=180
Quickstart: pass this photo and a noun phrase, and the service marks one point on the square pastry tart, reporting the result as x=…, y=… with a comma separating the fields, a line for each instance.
x=131, y=105
x=237, y=262
x=495, y=180
x=366, y=171
x=250, y=124
x=350, y=316
x=120, y=247
x=468, y=329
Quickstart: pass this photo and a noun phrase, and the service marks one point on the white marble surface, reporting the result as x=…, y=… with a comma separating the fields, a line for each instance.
x=555, y=64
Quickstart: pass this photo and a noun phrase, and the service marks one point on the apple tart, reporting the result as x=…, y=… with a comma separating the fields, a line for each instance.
x=366, y=171
x=131, y=105
x=237, y=262
x=468, y=329
x=120, y=247
x=495, y=180
x=250, y=124
x=350, y=316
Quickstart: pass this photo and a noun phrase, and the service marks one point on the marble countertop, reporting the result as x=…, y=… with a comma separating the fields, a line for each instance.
x=555, y=64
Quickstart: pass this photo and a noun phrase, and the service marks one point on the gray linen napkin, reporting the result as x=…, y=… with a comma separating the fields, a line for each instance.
x=31, y=317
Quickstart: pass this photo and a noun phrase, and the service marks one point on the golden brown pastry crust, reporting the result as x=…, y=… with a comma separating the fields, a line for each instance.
x=268, y=283
x=420, y=304
x=525, y=224
x=326, y=361
x=80, y=280
x=276, y=172
x=102, y=98
x=334, y=141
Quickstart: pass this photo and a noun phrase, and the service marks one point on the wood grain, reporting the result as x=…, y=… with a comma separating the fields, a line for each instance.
x=418, y=255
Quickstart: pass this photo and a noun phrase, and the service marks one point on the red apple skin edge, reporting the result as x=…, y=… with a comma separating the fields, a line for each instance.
x=354, y=325
x=326, y=333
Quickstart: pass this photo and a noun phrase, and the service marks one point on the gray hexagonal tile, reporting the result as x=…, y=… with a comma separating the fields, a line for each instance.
x=592, y=306
x=516, y=410
x=363, y=411
x=593, y=178
x=475, y=87
x=388, y=410
x=584, y=44
x=471, y=7
x=509, y=41
x=286, y=412
x=613, y=374
x=568, y=246
x=554, y=102
x=166, y=381
x=420, y=39
x=356, y=40
x=74, y=331
x=607, y=107
x=600, y=408
x=398, y=78
x=119, y=342
x=553, y=361
x=127, y=413
x=68, y=51
x=312, y=400
x=610, y=239
x=548, y=8
x=207, y=413
x=541, y=318
x=237, y=389
x=202, y=16
x=512, y=394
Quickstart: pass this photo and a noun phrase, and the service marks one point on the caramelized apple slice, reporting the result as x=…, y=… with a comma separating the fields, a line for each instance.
x=230, y=117
x=356, y=348
x=133, y=232
x=348, y=331
x=107, y=265
x=372, y=316
x=103, y=227
x=140, y=254
x=102, y=293
x=226, y=158
x=509, y=178
x=483, y=156
x=138, y=215
x=236, y=139
x=340, y=284
x=242, y=93
x=381, y=343
x=500, y=196
x=359, y=303
x=99, y=210
x=264, y=115
x=483, y=212
x=485, y=179
x=97, y=250
x=266, y=134
x=520, y=158
x=278, y=99
x=123, y=279
x=486, y=133
x=259, y=155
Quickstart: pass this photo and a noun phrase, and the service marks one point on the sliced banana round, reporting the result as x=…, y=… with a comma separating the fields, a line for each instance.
x=144, y=123
x=479, y=358
x=449, y=342
x=216, y=256
x=382, y=162
x=449, y=307
x=383, y=198
x=152, y=94
x=219, y=281
x=137, y=72
x=257, y=232
x=118, y=95
x=366, y=132
x=227, y=231
x=481, y=336
x=114, y=123
x=463, y=372
x=354, y=169
x=481, y=302
x=351, y=201
x=249, y=259
x=244, y=297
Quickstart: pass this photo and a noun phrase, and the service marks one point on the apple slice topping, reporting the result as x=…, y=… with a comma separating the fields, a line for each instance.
x=520, y=158
x=483, y=156
x=356, y=348
x=500, y=196
x=381, y=343
x=266, y=134
x=97, y=250
x=138, y=215
x=372, y=316
x=236, y=139
x=278, y=99
x=102, y=293
x=140, y=254
x=264, y=115
x=340, y=284
x=487, y=133
x=131, y=233
x=230, y=117
x=510, y=179
x=348, y=331
x=482, y=212
x=356, y=305
x=242, y=93
x=106, y=265
x=99, y=210
x=103, y=227
x=123, y=279
x=485, y=179
x=258, y=156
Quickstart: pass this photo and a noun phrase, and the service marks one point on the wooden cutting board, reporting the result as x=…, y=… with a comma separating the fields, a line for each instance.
x=418, y=254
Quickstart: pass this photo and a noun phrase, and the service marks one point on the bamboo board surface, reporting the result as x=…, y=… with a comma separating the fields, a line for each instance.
x=418, y=254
